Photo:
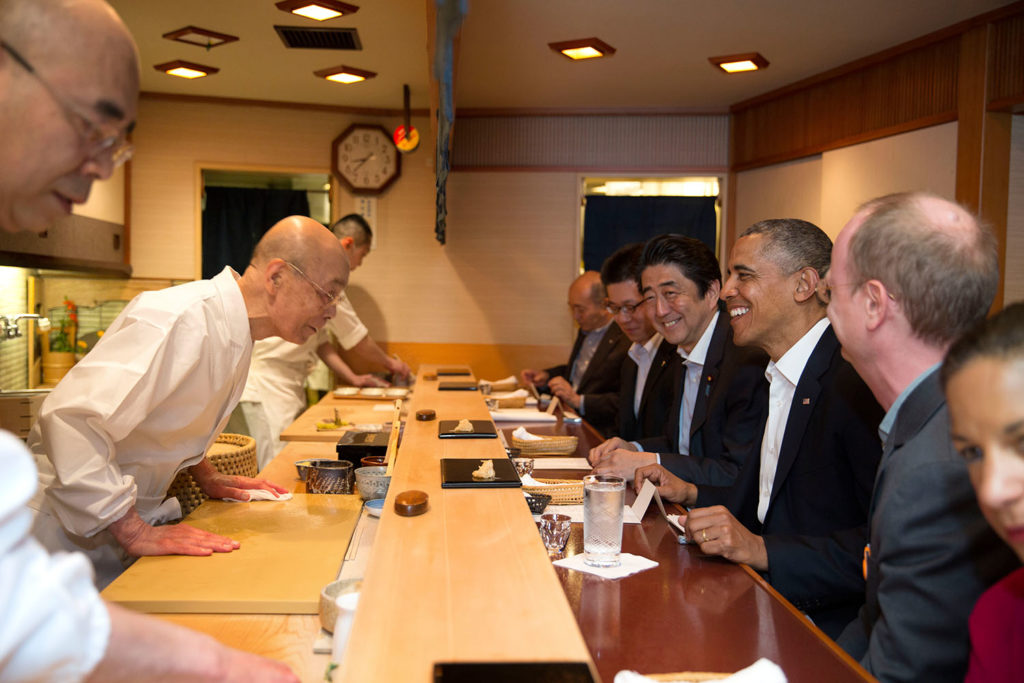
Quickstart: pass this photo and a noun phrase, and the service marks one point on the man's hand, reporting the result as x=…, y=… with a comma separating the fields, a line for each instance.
x=561, y=388
x=398, y=367
x=623, y=463
x=670, y=487
x=217, y=485
x=369, y=381
x=139, y=538
x=534, y=377
x=719, y=533
x=609, y=445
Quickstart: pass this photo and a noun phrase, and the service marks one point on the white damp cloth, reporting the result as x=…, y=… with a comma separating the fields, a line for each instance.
x=523, y=435
x=261, y=494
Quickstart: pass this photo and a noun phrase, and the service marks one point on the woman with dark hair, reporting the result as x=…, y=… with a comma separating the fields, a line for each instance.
x=983, y=377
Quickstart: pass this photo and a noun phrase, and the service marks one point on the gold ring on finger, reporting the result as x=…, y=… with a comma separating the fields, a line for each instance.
x=704, y=535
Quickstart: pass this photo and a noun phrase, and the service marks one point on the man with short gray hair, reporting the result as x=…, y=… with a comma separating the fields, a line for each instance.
x=910, y=273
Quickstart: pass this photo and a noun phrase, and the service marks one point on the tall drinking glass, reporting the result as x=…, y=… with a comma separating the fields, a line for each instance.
x=604, y=497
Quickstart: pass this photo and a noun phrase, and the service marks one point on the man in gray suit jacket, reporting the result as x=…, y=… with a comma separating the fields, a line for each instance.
x=910, y=273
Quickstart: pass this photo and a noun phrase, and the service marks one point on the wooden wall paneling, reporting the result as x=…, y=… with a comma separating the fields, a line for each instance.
x=913, y=89
x=1006, y=89
x=1014, y=288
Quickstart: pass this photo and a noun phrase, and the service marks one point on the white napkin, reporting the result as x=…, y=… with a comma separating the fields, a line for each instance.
x=631, y=564
x=261, y=494
x=530, y=481
x=511, y=379
x=518, y=393
x=558, y=463
x=761, y=671
x=521, y=415
x=575, y=512
x=523, y=435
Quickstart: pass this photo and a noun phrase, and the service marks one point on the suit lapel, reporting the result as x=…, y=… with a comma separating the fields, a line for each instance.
x=805, y=398
x=604, y=347
x=660, y=364
x=710, y=373
x=575, y=352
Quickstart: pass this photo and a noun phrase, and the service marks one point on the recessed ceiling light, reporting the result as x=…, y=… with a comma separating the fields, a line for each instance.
x=344, y=74
x=750, y=61
x=183, y=69
x=320, y=10
x=193, y=35
x=586, y=48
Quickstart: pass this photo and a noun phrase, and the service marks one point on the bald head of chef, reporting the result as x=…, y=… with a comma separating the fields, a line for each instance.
x=297, y=274
x=69, y=86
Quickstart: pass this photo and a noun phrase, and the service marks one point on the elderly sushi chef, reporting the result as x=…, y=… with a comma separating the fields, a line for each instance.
x=158, y=388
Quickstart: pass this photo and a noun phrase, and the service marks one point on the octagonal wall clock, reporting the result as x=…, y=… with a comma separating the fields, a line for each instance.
x=365, y=159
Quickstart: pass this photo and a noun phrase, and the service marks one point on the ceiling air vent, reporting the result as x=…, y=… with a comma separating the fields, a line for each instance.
x=319, y=38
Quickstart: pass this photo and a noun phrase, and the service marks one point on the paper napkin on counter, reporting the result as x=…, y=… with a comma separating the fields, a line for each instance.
x=261, y=494
x=761, y=671
x=521, y=415
x=575, y=512
x=631, y=564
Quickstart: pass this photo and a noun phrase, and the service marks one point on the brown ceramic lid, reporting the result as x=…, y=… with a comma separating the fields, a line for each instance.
x=411, y=503
x=425, y=415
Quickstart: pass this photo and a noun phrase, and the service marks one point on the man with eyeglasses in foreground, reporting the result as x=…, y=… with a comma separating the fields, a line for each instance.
x=714, y=423
x=68, y=93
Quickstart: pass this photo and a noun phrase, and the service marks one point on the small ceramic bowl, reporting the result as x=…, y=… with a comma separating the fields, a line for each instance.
x=372, y=482
x=372, y=461
x=375, y=506
x=537, y=502
x=330, y=593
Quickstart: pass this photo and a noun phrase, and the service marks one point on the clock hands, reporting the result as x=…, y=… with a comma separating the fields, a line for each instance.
x=363, y=161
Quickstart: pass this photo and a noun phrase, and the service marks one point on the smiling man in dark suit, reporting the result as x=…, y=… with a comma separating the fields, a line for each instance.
x=719, y=401
x=589, y=382
x=819, y=448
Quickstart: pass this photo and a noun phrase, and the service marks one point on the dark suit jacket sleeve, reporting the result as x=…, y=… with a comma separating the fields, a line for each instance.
x=930, y=574
x=558, y=371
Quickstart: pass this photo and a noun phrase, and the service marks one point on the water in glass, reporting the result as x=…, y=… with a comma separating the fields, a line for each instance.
x=604, y=497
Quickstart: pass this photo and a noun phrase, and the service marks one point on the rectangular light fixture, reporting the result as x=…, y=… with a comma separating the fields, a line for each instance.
x=344, y=74
x=183, y=69
x=320, y=10
x=193, y=35
x=585, y=48
x=749, y=61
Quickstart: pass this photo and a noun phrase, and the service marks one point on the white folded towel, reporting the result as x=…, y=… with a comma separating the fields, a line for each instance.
x=518, y=393
x=761, y=671
x=523, y=435
x=261, y=494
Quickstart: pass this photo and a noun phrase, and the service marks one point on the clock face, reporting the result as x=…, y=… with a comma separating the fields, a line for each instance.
x=365, y=158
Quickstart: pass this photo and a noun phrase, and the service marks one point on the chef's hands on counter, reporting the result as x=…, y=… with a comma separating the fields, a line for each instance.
x=619, y=457
x=139, y=538
x=561, y=388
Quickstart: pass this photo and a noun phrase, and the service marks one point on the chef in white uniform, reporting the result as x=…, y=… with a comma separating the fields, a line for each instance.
x=274, y=392
x=158, y=388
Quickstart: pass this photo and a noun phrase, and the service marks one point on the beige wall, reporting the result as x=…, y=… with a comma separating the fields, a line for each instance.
x=500, y=279
x=826, y=189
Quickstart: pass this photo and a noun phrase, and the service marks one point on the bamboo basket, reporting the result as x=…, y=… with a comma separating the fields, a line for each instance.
x=229, y=454
x=547, y=445
x=562, y=491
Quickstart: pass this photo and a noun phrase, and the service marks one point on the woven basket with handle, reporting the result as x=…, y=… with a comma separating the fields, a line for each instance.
x=562, y=491
x=229, y=454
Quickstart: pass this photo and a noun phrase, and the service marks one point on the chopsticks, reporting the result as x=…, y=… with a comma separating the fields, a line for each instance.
x=396, y=426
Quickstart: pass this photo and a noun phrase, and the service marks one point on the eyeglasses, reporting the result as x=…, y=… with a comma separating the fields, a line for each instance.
x=326, y=297
x=628, y=309
x=95, y=139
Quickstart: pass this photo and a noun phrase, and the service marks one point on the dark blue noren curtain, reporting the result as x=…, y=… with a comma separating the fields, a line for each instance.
x=612, y=222
x=235, y=219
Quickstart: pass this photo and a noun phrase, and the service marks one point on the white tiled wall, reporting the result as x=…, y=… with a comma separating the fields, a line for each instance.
x=13, y=352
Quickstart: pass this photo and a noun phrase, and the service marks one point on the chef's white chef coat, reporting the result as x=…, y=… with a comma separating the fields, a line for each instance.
x=54, y=626
x=274, y=394
x=146, y=402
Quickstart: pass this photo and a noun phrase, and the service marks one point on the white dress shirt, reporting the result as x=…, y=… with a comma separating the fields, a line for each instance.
x=146, y=402
x=782, y=378
x=643, y=356
x=54, y=625
x=694, y=367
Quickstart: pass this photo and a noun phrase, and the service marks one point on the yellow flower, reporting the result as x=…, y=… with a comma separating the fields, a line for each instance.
x=81, y=344
x=99, y=333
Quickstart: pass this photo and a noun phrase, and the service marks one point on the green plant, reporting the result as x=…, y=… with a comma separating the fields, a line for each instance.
x=63, y=336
